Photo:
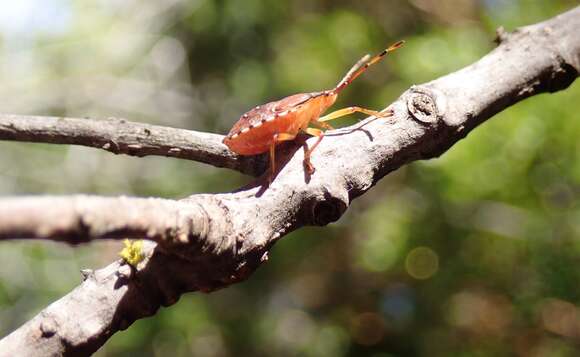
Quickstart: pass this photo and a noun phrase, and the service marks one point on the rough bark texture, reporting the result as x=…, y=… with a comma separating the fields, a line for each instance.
x=84, y=218
x=207, y=242
x=121, y=136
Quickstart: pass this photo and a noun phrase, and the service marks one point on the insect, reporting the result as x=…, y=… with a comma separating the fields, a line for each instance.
x=267, y=125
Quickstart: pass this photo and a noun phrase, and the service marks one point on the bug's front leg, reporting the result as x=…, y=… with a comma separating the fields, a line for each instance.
x=322, y=124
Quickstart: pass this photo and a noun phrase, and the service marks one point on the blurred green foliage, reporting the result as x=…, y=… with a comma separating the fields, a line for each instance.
x=471, y=254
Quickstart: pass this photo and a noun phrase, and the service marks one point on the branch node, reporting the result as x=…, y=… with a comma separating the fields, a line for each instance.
x=562, y=76
x=327, y=210
x=125, y=271
x=501, y=35
x=112, y=146
x=426, y=105
x=87, y=274
x=264, y=257
x=48, y=327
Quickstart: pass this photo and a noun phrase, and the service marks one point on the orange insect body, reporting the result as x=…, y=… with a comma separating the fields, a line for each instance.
x=255, y=132
x=264, y=126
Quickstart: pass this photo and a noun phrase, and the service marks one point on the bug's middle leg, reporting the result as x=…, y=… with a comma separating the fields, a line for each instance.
x=278, y=138
x=346, y=111
x=314, y=132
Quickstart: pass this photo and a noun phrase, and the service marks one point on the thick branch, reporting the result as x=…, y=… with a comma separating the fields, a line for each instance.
x=84, y=218
x=120, y=136
x=241, y=227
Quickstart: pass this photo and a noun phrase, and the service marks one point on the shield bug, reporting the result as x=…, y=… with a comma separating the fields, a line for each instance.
x=260, y=129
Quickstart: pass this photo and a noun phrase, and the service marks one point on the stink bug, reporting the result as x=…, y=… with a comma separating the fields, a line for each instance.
x=264, y=126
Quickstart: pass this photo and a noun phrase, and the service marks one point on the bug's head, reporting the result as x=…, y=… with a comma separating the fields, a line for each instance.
x=329, y=98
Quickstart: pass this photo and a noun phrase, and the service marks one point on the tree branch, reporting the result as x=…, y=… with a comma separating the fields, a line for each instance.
x=84, y=218
x=120, y=136
x=233, y=232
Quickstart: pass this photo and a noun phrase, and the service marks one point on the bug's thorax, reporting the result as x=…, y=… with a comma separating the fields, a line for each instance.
x=316, y=106
x=313, y=109
x=329, y=99
x=319, y=103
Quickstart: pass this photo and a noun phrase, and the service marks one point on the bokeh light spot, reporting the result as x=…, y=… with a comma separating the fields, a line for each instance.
x=481, y=312
x=422, y=263
x=368, y=328
x=560, y=317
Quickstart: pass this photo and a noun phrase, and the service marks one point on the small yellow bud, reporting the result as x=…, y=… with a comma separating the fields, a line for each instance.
x=133, y=252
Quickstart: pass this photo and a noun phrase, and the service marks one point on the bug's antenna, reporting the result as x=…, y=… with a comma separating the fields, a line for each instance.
x=362, y=66
x=354, y=68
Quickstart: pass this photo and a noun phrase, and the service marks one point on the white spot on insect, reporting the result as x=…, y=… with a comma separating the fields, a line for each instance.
x=258, y=107
x=257, y=124
x=283, y=113
x=234, y=136
x=244, y=130
x=271, y=119
x=245, y=115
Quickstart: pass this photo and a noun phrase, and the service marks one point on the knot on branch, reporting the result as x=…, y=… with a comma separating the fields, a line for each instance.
x=327, y=210
x=203, y=230
x=425, y=104
x=48, y=325
x=562, y=75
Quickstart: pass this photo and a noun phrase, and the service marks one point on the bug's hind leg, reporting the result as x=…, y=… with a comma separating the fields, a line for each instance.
x=278, y=138
x=314, y=132
x=346, y=111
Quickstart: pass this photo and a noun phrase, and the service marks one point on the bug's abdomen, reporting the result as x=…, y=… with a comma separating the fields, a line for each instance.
x=257, y=138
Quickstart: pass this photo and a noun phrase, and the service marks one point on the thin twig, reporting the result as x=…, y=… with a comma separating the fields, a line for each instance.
x=121, y=136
